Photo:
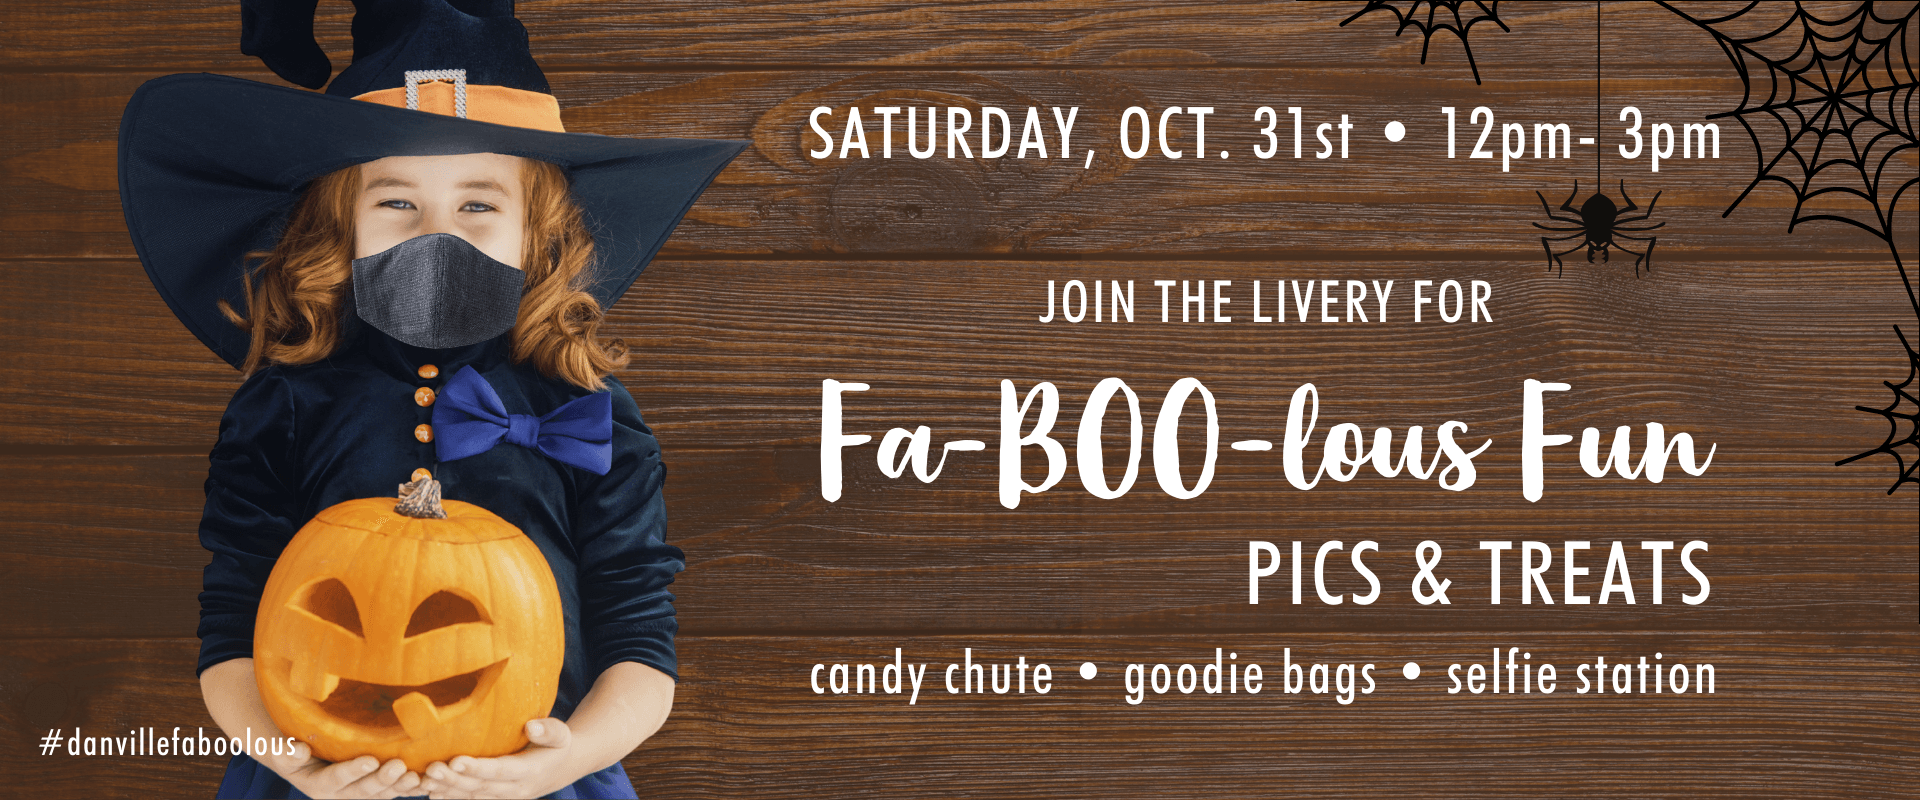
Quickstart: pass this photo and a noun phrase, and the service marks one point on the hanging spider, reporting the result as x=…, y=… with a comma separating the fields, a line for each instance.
x=1598, y=227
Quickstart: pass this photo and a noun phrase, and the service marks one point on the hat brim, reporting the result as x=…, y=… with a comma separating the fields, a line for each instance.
x=211, y=165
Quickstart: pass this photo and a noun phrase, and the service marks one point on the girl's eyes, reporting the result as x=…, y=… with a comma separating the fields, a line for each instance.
x=403, y=205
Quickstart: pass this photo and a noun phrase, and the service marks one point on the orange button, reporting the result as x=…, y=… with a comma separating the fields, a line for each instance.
x=423, y=432
x=429, y=371
x=421, y=474
x=423, y=396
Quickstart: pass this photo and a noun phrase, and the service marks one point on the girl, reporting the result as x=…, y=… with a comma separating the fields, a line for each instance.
x=413, y=261
x=330, y=404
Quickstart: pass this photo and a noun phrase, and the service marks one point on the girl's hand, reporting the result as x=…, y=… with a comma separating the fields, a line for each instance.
x=537, y=770
x=362, y=777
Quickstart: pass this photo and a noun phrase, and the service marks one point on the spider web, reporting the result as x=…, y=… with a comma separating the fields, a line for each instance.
x=1439, y=15
x=1905, y=408
x=1830, y=105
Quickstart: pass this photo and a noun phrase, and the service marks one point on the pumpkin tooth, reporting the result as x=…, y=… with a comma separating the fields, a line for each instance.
x=417, y=714
x=312, y=682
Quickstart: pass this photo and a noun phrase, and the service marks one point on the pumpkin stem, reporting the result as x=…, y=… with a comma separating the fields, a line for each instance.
x=420, y=500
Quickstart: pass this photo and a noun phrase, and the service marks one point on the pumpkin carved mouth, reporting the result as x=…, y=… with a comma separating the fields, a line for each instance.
x=419, y=630
x=416, y=709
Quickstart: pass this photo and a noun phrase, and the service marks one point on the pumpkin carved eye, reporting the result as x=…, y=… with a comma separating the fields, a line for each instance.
x=330, y=601
x=441, y=609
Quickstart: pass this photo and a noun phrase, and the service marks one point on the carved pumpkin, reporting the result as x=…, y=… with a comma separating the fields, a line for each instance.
x=409, y=631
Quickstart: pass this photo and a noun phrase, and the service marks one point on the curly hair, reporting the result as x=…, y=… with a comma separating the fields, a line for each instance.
x=296, y=295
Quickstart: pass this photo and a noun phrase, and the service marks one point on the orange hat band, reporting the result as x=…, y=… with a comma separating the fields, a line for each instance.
x=496, y=104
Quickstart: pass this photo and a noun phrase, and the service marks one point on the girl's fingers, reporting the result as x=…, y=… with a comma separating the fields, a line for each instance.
x=282, y=763
x=486, y=769
x=405, y=785
x=549, y=732
x=376, y=782
x=299, y=759
x=339, y=776
x=391, y=771
x=440, y=777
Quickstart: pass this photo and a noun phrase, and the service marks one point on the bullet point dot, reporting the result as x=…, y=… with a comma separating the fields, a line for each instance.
x=1223, y=154
x=1396, y=131
x=1411, y=670
x=1088, y=670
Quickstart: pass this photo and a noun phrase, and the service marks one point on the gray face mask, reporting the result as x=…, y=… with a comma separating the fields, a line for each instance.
x=437, y=291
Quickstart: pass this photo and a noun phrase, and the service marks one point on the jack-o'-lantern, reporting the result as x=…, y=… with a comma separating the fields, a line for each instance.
x=419, y=631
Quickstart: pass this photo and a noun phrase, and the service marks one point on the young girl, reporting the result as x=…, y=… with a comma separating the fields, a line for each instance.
x=432, y=287
x=336, y=409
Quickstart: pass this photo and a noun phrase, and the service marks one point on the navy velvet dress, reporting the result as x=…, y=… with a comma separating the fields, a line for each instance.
x=296, y=440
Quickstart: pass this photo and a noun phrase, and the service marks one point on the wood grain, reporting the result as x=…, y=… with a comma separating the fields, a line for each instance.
x=596, y=35
x=924, y=278
x=58, y=194
x=731, y=386
x=766, y=554
x=731, y=354
x=745, y=720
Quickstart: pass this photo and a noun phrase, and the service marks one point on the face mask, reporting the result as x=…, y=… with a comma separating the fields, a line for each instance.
x=437, y=291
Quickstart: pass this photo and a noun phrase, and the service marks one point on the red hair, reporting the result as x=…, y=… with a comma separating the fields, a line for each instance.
x=296, y=295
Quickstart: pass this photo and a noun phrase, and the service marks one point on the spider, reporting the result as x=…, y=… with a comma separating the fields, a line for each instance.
x=1598, y=226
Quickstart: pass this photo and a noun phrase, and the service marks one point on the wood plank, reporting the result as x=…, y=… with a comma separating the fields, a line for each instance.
x=59, y=199
x=731, y=354
x=923, y=278
x=735, y=403
x=746, y=721
x=1793, y=547
x=573, y=35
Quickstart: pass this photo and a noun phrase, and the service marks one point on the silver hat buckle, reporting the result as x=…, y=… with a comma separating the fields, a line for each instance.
x=415, y=77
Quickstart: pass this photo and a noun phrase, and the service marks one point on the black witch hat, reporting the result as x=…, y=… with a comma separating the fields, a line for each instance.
x=211, y=165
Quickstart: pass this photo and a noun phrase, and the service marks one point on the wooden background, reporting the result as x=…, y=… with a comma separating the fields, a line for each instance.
x=923, y=277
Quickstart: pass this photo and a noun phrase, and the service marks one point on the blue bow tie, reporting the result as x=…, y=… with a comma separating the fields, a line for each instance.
x=469, y=419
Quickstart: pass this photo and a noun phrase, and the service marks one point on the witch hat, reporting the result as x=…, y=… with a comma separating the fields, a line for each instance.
x=211, y=165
